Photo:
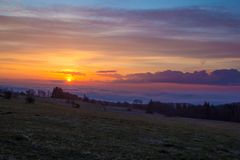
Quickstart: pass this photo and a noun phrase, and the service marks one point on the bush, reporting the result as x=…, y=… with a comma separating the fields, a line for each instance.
x=85, y=98
x=149, y=112
x=129, y=109
x=30, y=99
x=76, y=105
x=8, y=95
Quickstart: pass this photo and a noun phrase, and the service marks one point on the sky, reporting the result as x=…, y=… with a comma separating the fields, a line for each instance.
x=128, y=41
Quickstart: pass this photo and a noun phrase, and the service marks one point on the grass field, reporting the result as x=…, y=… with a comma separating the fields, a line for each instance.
x=52, y=129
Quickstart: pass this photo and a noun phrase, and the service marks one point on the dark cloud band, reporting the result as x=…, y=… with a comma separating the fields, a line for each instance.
x=217, y=77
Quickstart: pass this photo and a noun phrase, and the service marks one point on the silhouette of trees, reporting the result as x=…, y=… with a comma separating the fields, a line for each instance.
x=227, y=112
x=58, y=93
x=85, y=98
x=149, y=108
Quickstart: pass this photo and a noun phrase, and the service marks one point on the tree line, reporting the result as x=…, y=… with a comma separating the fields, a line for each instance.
x=225, y=112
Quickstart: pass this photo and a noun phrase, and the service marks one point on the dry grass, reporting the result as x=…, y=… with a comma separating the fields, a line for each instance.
x=51, y=129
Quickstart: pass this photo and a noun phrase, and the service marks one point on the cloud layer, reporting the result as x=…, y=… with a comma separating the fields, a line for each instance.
x=217, y=77
x=106, y=71
x=67, y=38
x=185, y=32
x=70, y=73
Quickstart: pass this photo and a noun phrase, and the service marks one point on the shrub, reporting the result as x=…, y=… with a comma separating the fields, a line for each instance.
x=30, y=99
x=8, y=95
x=129, y=109
x=76, y=105
x=85, y=98
x=149, y=111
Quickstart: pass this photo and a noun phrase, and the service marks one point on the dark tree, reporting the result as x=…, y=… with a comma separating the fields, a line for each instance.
x=150, y=106
x=57, y=93
x=85, y=98
x=30, y=99
x=30, y=96
x=8, y=95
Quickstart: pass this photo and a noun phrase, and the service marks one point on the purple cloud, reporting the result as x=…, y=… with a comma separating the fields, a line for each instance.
x=218, y=77
x=107, y=71
x=184, y=32
x=110, y=74
x=57, y=81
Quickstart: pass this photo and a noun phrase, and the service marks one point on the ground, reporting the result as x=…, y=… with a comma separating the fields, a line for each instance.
x=52, y=129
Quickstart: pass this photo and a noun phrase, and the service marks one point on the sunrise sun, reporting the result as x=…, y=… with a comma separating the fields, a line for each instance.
x=69, y=79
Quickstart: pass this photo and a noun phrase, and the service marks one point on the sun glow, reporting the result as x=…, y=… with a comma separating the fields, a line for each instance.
x=69, y=79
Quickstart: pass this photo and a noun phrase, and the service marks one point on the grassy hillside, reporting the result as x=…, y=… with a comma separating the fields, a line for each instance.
x=52, y=129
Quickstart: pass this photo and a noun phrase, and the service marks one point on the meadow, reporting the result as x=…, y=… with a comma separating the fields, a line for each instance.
x=51, y=129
